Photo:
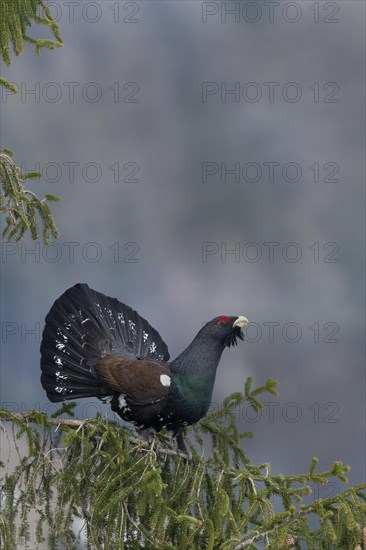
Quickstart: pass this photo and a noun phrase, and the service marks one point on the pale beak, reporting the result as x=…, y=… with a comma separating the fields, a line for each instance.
x=241, y=322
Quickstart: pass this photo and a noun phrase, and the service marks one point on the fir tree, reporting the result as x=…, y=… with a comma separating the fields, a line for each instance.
x=129, y=494
x=20, y=206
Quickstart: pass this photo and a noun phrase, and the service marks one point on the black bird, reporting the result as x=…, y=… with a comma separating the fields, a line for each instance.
x=95, y=346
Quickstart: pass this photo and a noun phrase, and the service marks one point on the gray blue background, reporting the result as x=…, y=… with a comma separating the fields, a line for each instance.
x=168, y=132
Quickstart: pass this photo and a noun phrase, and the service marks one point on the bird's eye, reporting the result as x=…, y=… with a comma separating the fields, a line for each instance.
x=223, y=321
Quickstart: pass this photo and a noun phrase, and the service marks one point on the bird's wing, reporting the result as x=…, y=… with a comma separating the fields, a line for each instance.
x=141, y=381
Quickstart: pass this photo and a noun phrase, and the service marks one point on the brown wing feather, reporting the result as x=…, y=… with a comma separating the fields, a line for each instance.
x=138, y=379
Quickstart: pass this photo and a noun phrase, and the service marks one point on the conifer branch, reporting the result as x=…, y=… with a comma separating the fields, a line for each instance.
x=132, y=494
x=15, y=17
x=33, y=417
x=305, y=511
x=21, y=206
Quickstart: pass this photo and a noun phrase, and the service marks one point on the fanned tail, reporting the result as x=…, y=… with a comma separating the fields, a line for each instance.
x=83, y=326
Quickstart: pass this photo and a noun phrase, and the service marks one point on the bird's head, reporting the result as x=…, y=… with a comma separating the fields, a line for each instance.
x=203, y=354
x=227, y=330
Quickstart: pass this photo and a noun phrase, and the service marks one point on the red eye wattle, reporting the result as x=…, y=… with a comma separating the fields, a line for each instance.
x=223, y=320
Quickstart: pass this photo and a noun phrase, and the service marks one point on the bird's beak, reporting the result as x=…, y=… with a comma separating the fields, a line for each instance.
x=241, y=322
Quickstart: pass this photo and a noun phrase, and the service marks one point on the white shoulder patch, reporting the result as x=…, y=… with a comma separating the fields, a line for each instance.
x=165, y=379
x=121, y=401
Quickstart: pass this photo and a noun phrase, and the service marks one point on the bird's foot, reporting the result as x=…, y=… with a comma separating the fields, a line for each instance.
x=146, y=436
x=181, y=445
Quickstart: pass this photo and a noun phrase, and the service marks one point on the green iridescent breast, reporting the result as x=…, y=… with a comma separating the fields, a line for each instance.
x=195, y=389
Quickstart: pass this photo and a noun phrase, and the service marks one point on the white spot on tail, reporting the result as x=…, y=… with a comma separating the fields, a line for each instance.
x=62, y=390
x=121, y=318
x=60, y=376
x=165, y=379
x=152, y=347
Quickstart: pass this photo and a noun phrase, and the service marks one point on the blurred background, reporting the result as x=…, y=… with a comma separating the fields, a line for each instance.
x=210, y=160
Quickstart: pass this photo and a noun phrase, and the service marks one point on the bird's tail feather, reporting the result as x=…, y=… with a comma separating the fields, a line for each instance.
x=83, y=326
